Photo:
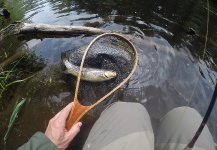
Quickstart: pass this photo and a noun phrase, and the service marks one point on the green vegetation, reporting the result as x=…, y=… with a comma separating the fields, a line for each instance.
x=4, y=75
x=14, y=116
x=4, y=84
x=7, y=78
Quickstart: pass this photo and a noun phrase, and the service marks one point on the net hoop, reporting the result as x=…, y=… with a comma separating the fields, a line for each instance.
x=78, y=110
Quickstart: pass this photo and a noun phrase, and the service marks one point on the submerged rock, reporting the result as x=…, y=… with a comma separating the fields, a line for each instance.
x=4, y=12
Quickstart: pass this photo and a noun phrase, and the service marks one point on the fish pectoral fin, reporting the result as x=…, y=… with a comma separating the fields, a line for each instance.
x=66, y=71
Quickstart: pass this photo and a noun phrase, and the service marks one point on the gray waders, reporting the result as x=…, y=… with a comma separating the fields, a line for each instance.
x=177, y=129
x=127, y=126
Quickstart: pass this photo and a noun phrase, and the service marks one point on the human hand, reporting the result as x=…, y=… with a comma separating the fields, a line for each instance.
x=57, y=132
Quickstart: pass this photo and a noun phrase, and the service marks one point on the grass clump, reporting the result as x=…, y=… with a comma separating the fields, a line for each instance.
x=4, y=80
x=9, y=77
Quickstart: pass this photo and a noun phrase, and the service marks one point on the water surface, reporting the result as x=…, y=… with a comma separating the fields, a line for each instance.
x=171, y=61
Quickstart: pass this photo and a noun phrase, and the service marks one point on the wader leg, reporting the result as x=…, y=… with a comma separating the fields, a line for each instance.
x=122, y=126
x=177, y=129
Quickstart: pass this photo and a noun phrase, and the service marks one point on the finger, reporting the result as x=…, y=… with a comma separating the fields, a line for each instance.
x=64, y=113
x=74, y=130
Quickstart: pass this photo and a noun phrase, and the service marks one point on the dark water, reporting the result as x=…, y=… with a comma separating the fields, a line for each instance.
x=170, y=60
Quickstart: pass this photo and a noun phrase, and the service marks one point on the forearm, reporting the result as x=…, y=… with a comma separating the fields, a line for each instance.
x=39, y=141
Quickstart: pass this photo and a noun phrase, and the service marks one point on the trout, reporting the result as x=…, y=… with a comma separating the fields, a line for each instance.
x=89, y=74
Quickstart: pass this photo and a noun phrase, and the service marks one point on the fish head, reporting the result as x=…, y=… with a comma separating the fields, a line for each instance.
x=110, y=74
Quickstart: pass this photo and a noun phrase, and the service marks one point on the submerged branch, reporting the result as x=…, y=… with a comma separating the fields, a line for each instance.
x=13, y=58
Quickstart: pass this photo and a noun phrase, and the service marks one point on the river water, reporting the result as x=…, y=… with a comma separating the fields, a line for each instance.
x=172, y=70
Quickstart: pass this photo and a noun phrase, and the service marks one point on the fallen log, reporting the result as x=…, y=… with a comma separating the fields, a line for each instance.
x=26, y=28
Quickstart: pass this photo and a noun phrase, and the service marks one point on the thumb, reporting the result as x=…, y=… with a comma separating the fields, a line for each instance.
x=74, y=130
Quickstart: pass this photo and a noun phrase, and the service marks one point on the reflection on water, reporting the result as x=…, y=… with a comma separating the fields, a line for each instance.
x=170, y=60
